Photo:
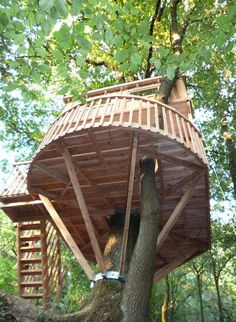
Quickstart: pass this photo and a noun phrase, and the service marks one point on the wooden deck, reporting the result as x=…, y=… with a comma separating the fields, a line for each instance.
x=88, y=167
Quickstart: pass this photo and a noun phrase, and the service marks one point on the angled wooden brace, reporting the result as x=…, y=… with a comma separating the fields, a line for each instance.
x=83, y=207
x=128, y=206
x=177, y=211
x=67, y=236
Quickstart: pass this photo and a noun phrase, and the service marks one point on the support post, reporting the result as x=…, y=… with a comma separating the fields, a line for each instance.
x=83, y=207
x=44, y=247
x=128, y=206
x=66, y=235
x=176, y=213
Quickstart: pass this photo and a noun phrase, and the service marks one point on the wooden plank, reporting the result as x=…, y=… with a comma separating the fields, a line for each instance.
x=128, y=206
x=178, y=161
x=181, y=183
x=183, y=257
x=176, y=213
x=44, y=247
x=67, y=236
x=20, y=203
x=83, y=207
x=51, y=172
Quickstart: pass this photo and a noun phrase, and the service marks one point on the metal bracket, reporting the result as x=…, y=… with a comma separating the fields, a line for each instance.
x=109, y=275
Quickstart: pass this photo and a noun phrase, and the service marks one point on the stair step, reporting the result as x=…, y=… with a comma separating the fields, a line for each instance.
x=32, y=296
x=32, y=284
x=30, y=226
x=31, y=260
x=31, y=272
x=30, y=249
x=29, y=238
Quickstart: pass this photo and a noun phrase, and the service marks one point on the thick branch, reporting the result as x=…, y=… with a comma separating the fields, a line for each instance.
x=151, y=30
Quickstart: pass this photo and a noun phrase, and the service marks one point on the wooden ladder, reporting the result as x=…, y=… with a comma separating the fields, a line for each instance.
x=39, y=261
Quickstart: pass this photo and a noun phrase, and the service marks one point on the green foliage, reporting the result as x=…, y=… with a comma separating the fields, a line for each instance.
x=8, y=274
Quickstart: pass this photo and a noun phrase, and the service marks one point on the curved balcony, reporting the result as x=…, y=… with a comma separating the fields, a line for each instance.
x=127, y=111
x=98, y=140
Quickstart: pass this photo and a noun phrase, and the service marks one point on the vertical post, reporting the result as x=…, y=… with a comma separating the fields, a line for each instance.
x=59, y=269
x=20, y=289
x=44, y=264
x=128, y=206
x=83, y=207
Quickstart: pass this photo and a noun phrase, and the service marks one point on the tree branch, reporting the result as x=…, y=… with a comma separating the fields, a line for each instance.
x=156, y=17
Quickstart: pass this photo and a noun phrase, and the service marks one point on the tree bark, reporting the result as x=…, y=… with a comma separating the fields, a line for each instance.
x=231, y=151
x=164, y=309
x=199, y=285
x=219, y=301
x=137, y=290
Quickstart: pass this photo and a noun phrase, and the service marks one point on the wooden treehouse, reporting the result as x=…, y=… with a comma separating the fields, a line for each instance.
x=38, y=242
x=87, y=169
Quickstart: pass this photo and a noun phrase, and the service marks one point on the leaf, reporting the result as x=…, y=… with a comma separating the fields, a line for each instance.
x=121, y=56
x=57, y=54
x=61, y=7
x=136, y=58
x=46, y=4
x=109, y=36
x=163, y=51
x=119, y=41
x=76, y=5
x=19, y=39
x=35, y=76
x=170, y=72
x=3, y=19
x=80, y=61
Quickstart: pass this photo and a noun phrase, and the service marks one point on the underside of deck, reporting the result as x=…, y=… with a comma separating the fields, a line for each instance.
x=87, y=167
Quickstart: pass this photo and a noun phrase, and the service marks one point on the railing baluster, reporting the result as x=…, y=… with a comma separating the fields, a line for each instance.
x=164, y=119
x=172, y=123
x=157, y=125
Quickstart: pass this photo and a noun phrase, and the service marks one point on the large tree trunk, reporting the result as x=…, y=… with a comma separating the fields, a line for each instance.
x=137, y=290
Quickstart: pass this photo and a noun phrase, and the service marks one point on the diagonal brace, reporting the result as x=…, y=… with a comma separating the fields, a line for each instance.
x=67, y=236
x=128, y=206
x=177, y=211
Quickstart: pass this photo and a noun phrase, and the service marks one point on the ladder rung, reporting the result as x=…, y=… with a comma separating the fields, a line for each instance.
x=30, y=249
x=29, y=238
x=32, y=284
x=31, y=272
x=30, y=226
x=32, y=296
x=31, y=260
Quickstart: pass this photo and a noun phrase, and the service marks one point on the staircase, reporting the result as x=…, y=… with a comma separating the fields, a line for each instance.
x=39, y=261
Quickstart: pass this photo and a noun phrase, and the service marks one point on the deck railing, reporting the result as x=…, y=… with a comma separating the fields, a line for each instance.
x=127, y=111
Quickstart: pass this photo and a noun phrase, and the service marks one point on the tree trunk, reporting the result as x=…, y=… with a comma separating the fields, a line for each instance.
x=138, y=288
x=219, y=301
x=231, y=151
x=164, y=309
x=199, y=286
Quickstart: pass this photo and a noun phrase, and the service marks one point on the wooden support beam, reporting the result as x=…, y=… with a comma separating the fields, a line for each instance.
x=178, y=161
x=93, y=139
x=181, y=183
x=128, y=205
x=20, y=203
x=83, y=207
x=67, y=236
x=179, y=260
x=176, y=213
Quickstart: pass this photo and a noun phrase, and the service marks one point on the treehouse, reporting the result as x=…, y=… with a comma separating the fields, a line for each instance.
x=86, y=170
